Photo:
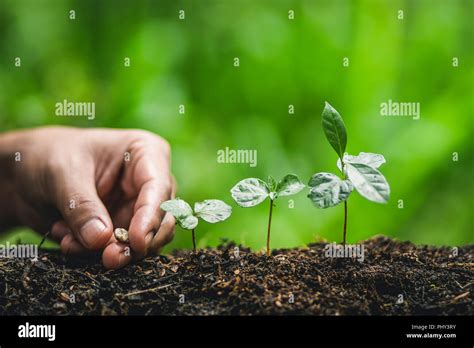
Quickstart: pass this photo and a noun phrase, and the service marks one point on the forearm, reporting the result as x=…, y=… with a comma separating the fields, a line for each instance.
x=10, y=156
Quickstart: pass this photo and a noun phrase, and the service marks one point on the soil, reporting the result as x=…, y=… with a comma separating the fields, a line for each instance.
x=431, y=280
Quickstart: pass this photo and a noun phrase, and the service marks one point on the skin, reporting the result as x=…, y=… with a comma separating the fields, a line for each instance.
x=80, y=184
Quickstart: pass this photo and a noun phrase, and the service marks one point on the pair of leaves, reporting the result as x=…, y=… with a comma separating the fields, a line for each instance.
x=210, y=210
x=362, y=171
x=252, y=191
x=329, y=190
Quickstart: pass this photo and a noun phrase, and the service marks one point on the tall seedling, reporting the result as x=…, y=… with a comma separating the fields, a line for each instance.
x=359, y=172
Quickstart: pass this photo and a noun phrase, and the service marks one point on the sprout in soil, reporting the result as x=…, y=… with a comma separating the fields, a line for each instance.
x=360, y=171
x=210, y=210
x=250, y=192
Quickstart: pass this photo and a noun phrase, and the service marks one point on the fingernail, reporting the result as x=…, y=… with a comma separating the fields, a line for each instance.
x=91, y=230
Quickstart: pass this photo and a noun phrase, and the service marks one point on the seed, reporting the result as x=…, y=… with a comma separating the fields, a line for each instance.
x=121, y=234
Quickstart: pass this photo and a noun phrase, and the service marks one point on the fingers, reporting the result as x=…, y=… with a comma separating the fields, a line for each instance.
x=147, y=215
x=116, y=255
x=173, y=186
x=122, y=216
x=165, y=233
x=82, y=209
x=70, y=246
x=59, y=230
x=146, y=183
x=149, y=175
x=63, y=234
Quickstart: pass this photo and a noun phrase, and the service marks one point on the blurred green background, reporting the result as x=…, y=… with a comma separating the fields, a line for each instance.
x=282, y=62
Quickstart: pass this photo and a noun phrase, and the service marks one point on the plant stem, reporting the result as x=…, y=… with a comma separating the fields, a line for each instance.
x=269, y=227
x=194, y=240
x=345, y=206
x=345, y=222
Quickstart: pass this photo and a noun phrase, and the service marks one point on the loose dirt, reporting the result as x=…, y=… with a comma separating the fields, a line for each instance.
x=395, y=278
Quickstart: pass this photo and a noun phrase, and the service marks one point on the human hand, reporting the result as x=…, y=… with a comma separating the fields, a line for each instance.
x=82, y=183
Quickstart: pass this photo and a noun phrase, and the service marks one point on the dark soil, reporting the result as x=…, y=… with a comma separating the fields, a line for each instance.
x=213, y=281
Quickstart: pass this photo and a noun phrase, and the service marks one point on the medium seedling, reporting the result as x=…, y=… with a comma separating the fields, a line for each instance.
x=360, y=171
x=252, y=191
x=210, y=210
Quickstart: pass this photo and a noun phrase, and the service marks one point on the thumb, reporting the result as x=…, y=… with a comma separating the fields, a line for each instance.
x=84, y=212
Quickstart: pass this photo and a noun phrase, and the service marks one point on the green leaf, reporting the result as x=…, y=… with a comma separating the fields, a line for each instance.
x=212, y=210
x=369, y=182
x=249, y=192
x=328, y=190
x=272, y=186
x=271, y=183
x=177, y=207
x=289, y=185
x=188, y=222
x=373, y=160
x=182, y=212
x=334, y=129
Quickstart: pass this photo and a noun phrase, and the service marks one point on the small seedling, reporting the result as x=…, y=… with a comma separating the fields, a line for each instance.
x=251, y=192
x=360, y=171
x=210, y=210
